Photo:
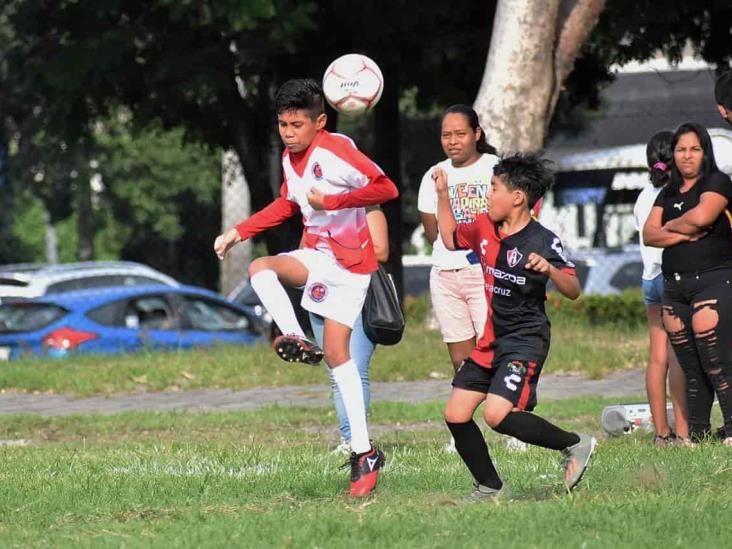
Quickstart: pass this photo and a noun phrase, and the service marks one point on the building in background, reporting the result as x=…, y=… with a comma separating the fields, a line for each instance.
x=602, y=169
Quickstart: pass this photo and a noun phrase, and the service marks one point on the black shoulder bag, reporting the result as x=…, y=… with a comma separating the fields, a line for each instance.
x=383, y=320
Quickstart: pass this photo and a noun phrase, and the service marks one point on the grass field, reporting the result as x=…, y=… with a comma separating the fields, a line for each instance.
x=265, y=478
x=576, y=347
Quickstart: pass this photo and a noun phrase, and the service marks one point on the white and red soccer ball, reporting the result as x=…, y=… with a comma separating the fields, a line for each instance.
x=353, y=84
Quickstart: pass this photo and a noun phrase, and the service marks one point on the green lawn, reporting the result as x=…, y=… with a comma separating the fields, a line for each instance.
x=421, y=355
x=265, y=478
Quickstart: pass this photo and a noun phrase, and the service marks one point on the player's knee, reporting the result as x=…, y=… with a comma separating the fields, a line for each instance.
x=259, y=264
x=335, y=358
x=494, y=417
x=454, y=415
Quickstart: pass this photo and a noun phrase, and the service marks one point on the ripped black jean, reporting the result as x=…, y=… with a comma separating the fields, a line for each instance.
x=697, y=315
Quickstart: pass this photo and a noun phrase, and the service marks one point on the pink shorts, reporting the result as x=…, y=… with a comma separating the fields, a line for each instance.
x=458, y=297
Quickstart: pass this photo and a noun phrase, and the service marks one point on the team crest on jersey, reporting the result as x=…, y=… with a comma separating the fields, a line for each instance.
x=513, y=257
x=317, y=171
x=318, y=292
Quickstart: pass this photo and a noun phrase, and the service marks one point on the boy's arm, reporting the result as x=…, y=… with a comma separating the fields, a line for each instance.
x=553, y=262
x=566, y=283
x=370, y=185
x=446, y=223
x=279, y=210
x=463, y=236
x=564, y=279
x=275, y=213
x=380, y=189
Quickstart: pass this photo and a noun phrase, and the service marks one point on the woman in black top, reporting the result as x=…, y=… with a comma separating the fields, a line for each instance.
x=690, y=221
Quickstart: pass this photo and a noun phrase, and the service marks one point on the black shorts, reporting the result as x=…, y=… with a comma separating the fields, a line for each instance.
x=515, y=380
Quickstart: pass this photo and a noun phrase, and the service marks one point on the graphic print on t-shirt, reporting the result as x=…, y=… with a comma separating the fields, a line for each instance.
x=468, y=189
x=468, y=199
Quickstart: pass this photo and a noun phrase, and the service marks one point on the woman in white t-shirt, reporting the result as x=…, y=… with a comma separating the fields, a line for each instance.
x=456, y=280
x=662, y=360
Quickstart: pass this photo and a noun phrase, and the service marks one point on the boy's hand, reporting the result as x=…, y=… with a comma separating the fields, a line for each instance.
x=316, y=199
x=224, y=242
x=440, y=178
x=538, y=264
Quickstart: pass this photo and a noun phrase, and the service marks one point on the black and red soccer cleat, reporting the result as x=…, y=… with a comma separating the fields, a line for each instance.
x=365, y=471
x=293, y=348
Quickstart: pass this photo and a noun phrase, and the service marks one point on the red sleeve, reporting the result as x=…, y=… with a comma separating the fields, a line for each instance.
x=379, y=190
x=467, y=236
x=275, y=213
x=371, y=186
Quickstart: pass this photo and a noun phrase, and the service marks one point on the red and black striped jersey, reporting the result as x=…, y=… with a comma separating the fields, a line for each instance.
x=517, y=327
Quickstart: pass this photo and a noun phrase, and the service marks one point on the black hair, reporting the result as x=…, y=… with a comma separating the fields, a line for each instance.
x=528, y=173
x=723, y=90
x=660, y=157
x=468, y=112
x=300, y=94
x=708, y=165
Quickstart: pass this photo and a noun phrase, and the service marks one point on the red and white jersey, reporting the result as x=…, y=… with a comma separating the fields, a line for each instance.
x=349, y=179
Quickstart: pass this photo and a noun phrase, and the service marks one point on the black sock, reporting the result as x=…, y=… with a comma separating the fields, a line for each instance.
x=473, y=450
x=535, y=430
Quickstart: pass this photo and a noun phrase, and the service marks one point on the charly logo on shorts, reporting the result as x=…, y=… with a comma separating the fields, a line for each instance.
x=318, y=292
x=317, y=171
x=513, y=257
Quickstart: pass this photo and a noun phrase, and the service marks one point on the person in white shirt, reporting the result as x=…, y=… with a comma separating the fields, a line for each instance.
x=456, y=280
x=662, y=360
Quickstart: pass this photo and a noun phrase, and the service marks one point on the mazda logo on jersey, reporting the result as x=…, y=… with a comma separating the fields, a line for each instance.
x=503, y=275
x=318, y=292
x=317, y=171
x=513, y=257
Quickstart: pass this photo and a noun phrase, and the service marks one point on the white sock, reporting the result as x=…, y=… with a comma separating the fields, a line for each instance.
x=276, y=301
x=349, y=384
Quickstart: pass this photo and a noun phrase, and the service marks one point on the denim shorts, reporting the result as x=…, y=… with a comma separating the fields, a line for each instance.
x=653, y=290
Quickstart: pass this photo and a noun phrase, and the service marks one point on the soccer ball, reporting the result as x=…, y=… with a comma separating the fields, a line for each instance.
x=353, y=84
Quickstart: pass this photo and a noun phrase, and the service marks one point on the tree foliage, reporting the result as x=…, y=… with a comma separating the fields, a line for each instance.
x=207, y=70
x=637, y=30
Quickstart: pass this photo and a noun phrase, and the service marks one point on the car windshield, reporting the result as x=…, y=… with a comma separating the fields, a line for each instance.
x=100, y=281
x=9, y=281
x=28, y=317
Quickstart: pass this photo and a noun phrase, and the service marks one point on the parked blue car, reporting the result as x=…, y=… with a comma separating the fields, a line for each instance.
x=121, y=320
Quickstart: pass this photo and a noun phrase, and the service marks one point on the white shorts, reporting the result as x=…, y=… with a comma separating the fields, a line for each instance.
x=331, y=291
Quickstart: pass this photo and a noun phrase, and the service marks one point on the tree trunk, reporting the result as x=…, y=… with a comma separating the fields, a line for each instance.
x=387, y=154
x=235, y=206
x=51, y=239
x=84, y=226
x=533, y=48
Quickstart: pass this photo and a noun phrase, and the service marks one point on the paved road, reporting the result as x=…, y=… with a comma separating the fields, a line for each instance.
x=552, y=387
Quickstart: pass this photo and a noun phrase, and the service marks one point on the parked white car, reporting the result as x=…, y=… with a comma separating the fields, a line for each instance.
x=25, y=281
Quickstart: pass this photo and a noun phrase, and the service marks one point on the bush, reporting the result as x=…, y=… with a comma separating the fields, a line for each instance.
x=415, y=308
x=625, y=309
x=622, y=310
